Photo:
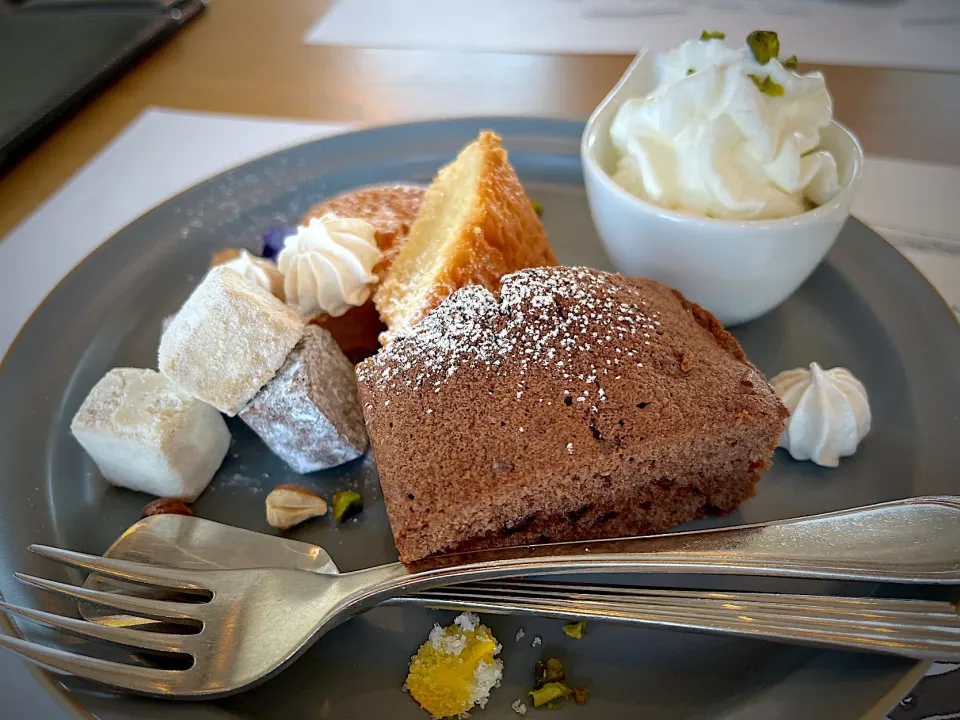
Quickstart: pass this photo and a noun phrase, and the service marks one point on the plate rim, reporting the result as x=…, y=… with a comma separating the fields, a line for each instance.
x=50, y=682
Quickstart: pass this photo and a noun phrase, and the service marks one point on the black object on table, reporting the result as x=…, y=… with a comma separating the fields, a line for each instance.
x=57, y=54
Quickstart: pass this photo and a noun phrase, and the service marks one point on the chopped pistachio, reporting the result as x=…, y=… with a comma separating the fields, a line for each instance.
x=549, y=692
x=764, y=44
x=576, y=630
x=346, y=503
x=553, y=671
x=537, y=207
x=791, y=62
x=690, y=71
x=580, y=695
x=767, y=86
x=712, y=35
x=547, y=672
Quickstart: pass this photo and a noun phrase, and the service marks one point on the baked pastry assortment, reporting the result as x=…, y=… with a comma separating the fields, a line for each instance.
x=506, y=400
x=273, y=341
x=572, y=404
x=513, y=401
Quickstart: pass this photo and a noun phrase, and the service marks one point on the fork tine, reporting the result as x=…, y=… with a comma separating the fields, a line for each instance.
x=120, y=675
x=145, y=607
x=122, y=569
x=139, y=639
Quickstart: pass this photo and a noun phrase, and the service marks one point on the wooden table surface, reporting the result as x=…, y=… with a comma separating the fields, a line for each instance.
x=246, y=56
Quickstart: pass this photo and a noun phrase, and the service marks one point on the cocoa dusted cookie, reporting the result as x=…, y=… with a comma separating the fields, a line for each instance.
x=308, y=413
x=573, y=404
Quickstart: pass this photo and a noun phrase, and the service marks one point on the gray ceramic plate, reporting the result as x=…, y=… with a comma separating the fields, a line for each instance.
x=865, y=308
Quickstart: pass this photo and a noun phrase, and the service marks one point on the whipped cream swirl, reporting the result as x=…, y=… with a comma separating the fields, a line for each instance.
x=328, y=265
x=829, y=413
x=259, y=271
x=709, y=141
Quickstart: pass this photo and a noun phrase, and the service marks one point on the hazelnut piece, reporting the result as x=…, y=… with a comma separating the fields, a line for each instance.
x=167, y=506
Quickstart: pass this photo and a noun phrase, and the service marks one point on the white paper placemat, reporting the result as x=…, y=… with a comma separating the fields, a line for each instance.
x=906, y=34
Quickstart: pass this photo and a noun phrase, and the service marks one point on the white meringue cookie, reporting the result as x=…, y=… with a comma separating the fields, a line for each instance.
x=829, y=413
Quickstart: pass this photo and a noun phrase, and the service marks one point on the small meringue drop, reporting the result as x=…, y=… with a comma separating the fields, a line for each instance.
x=259, y=271
x=829, y=413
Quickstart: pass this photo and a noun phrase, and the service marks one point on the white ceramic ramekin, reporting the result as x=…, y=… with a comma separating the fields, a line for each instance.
x=738, y=270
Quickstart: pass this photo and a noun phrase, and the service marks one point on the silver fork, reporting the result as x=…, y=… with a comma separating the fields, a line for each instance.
x=253, y=622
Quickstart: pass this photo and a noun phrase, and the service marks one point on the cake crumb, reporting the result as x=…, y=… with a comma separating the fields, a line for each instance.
x=520, y=634
x=536, y=641
x=456, y=668
x=519, y=708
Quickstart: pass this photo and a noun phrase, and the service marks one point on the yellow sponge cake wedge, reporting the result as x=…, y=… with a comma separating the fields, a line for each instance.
x=476, y=225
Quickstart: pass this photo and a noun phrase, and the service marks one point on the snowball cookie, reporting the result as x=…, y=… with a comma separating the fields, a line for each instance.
x=228, y=340
x=146, y=434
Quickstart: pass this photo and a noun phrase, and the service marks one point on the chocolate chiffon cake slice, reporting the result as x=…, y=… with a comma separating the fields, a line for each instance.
x=573, y=404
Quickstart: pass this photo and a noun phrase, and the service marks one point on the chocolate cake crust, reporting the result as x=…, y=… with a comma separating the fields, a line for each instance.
x=576, y=404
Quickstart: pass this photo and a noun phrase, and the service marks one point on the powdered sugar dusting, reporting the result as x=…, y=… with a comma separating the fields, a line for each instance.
x=546, y=317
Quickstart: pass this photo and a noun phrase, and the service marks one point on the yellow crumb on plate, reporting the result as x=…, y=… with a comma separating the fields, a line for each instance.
x=456, y=668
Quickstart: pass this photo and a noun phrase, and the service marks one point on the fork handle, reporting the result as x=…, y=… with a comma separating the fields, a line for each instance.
x=906, y=541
